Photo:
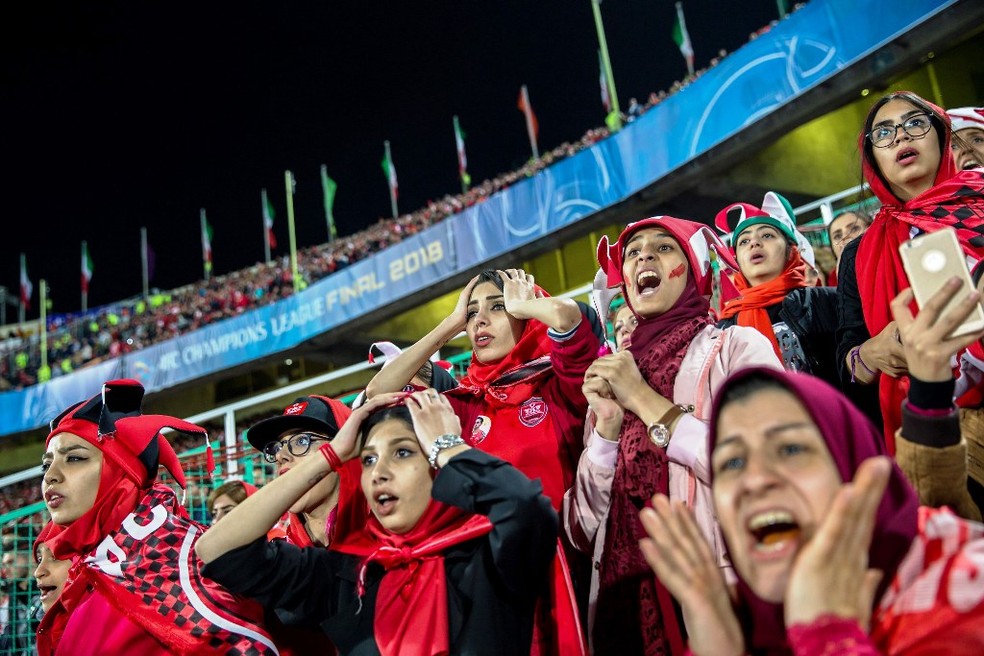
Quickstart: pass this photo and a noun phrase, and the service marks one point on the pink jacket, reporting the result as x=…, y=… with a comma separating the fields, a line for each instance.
x=713, y=355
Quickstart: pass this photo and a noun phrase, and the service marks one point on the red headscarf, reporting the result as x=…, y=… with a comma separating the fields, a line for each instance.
x=132, y=447
x=751, y=305
x=956, y=200
x=635, y=611
x=851, y=439
x=411, y=605
x=532, y=348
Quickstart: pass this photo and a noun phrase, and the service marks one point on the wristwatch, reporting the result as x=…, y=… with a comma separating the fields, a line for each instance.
x=659, y=431
x=441, y=443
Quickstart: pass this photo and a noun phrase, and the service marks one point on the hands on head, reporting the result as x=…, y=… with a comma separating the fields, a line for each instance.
x=431, y=412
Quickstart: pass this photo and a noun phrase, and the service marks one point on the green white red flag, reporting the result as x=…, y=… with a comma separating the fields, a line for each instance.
x=268, y=216
x=86, y=267
x=206, y=244
x=390, y=172
x=459, y=142
x=682, y=38
x=26, y=287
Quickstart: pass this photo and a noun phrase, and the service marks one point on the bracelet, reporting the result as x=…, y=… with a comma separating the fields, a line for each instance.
x=440, y=444
x=328, y=451
x=855, y=358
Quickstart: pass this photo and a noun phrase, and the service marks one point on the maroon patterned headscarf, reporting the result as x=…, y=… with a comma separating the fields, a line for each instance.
x=851, y=439
x=636, y=614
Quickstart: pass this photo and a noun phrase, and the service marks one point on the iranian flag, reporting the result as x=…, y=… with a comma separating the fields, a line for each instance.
x=206, y=243
x=26, y=288
x=532, y=125
x=682, y=38
x=268, y=215
x=390, y=172
x=459, y=142
x=86, y=268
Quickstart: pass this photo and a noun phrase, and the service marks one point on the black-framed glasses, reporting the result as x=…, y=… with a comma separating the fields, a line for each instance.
x=915, y=126
x=297, y=445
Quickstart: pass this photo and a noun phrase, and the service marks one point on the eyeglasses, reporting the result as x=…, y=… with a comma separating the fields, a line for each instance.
x=915, y=126
x=297, y=445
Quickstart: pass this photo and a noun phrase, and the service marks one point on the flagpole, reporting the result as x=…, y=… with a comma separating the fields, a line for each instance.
x=266, y=237
x=609, y=77
x=22, y=310
x=144, y=264
x=85, y=285
x=44, y=331
x=389, y=181
x=289, y=183
x=205, y=265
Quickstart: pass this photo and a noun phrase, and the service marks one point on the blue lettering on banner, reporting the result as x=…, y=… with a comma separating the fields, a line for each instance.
x=797, y=54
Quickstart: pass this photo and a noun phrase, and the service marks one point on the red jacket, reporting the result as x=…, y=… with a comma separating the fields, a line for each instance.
x=536, y=421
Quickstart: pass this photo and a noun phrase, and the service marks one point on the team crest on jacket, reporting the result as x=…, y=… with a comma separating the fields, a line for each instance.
x=533, y=411
x=480, y=430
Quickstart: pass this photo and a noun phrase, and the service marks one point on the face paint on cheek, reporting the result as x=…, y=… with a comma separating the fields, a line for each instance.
x=678, y=271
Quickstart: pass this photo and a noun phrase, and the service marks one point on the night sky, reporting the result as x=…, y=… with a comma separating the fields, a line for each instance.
x=118, y=115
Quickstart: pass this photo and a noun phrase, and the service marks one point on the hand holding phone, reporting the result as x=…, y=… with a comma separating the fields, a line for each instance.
x=932, y=259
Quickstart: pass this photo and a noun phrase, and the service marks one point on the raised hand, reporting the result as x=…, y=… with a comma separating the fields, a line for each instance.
x=683, y=562
x=459, y=314
x=517, y=290
x=831, y=574
x=346, y=441
x=926, y=339
x=432, y=416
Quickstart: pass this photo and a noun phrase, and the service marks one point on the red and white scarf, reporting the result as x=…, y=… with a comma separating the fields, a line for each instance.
x=151, y=555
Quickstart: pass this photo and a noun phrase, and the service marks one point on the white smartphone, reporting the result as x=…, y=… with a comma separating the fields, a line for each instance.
x=932, y=259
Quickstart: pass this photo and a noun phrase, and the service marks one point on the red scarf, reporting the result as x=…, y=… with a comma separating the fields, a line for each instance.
x=751, y=305
x=412, y=604
x=159, y=562
x=635, y=612
x=481, y=377
x=955, y=200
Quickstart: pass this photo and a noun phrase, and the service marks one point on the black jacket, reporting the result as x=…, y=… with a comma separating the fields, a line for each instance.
x=811, y=313
x=493, y=581
x=853, y=331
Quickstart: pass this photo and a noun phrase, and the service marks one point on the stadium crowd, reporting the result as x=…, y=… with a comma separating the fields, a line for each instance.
x=791, y=468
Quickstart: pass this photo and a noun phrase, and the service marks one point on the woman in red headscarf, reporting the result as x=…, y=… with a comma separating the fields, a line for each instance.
x=833, y=553
x=135, y=585
x=439, y=549
x=905, y=158
x=521, y=398
x=662, y=385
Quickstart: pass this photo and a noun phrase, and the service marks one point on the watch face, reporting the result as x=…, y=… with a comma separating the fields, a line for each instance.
x=659, y=435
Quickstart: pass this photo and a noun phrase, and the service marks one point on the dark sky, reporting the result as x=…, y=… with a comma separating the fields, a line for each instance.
x=117, y=115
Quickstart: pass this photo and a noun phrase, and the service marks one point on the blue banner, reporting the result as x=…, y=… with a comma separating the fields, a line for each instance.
x=797, y=54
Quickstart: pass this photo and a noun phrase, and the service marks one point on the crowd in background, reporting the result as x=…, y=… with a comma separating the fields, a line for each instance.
x=77, y=341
